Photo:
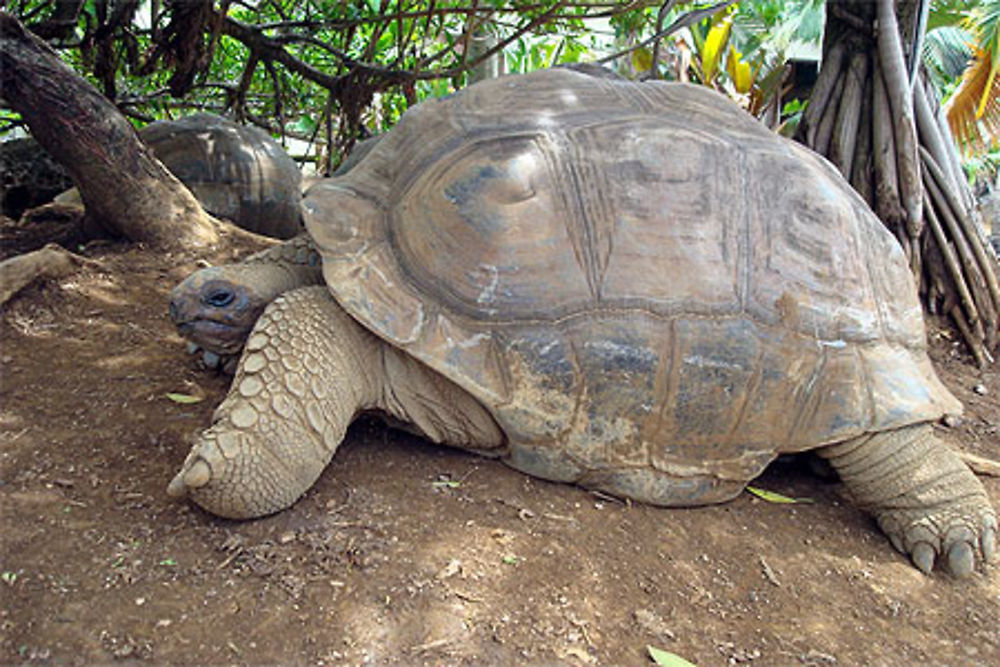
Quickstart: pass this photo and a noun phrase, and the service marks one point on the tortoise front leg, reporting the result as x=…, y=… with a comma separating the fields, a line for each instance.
x=925, y=499
x=306, y=372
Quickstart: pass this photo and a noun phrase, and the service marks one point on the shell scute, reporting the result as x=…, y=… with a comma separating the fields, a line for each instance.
x=629, y=276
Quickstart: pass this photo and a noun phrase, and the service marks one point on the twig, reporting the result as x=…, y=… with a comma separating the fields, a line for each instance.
x=768, y=572
x=979, y=464
x=682, y=22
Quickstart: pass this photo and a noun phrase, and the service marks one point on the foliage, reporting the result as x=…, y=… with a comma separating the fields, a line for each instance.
x=327, y=72
x=330, y=71
x=974, y=107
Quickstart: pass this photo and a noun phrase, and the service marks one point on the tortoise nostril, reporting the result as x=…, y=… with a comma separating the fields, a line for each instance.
x=219, y=297
x=174, y=310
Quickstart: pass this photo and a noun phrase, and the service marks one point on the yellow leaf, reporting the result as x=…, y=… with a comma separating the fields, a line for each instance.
x=739, y=71
x=986, y=90
x=642, y=60
x=711, y=52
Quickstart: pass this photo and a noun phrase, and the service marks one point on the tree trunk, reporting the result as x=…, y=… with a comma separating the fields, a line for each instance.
x=898, y=156
x=124, y=188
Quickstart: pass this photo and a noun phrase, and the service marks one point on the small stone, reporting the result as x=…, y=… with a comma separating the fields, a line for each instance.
x=951, y=421
x=980, y=389
x=286, y=537
x=140, y=601
x=652, y=623
x=451, y=569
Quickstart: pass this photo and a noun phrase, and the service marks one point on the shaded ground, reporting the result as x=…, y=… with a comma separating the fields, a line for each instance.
x=408, y=553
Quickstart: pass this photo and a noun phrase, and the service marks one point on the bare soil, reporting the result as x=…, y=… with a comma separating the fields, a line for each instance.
x=405, y=552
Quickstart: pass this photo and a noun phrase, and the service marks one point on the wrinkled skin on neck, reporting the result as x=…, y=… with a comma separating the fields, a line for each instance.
x=216, y=308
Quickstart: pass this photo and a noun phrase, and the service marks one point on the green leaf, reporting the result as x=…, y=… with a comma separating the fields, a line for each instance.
x=169, y=562
x=185, y=398
x=772, y=497
x=510, y=560
x=666, y=658
x=8, y=578
x=446, y=484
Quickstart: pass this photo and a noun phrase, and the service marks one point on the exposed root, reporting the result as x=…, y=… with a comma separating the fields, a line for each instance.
x=890, y=140
x=50, y=262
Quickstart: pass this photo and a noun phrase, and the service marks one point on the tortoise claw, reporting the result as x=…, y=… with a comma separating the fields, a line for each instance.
x=194, y=477
x=988, y=539
x=961, y=559
x=923, y=556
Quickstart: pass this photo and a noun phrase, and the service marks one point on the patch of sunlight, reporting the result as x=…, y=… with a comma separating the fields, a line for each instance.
x=96, y=288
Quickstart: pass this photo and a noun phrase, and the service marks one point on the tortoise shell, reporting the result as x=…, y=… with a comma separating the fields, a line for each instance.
x=630, y=277
x=237, y=172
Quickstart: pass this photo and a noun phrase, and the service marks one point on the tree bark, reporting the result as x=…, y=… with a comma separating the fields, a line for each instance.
x=914, y=179
x=124, y=188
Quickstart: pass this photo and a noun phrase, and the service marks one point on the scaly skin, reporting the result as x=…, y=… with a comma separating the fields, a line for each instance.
x=924, y=498
x=215, y=308
x=307, y=371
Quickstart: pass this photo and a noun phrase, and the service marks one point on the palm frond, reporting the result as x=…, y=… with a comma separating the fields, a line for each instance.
x=974, y=109
x=947, y=51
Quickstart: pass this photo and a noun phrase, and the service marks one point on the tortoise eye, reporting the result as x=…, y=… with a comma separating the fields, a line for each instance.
x=219, y=297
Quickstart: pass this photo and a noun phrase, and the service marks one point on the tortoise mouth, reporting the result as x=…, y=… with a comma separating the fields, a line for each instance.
x=214, y=336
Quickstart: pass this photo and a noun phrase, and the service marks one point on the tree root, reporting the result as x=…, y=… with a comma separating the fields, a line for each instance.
x=890, y=52
x=50, y=262
x=845, y=129
x=886, y=134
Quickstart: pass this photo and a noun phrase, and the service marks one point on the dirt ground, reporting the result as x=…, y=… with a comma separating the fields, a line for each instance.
x=407, y=553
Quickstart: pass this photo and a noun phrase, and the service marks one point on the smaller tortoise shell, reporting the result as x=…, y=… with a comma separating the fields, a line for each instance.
x=237, y=172
x=629, y=276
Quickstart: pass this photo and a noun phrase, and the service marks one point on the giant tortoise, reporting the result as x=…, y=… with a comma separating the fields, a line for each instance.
x=235, y=171
x=633, y=287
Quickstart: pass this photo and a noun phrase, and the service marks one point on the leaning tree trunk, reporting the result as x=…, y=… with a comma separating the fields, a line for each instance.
x=873, y=113
x=124, y=188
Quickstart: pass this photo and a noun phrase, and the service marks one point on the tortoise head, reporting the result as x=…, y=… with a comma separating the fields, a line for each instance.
x=215, y=308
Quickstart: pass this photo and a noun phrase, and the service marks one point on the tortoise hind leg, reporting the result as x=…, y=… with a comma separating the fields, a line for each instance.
x=924, y=498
